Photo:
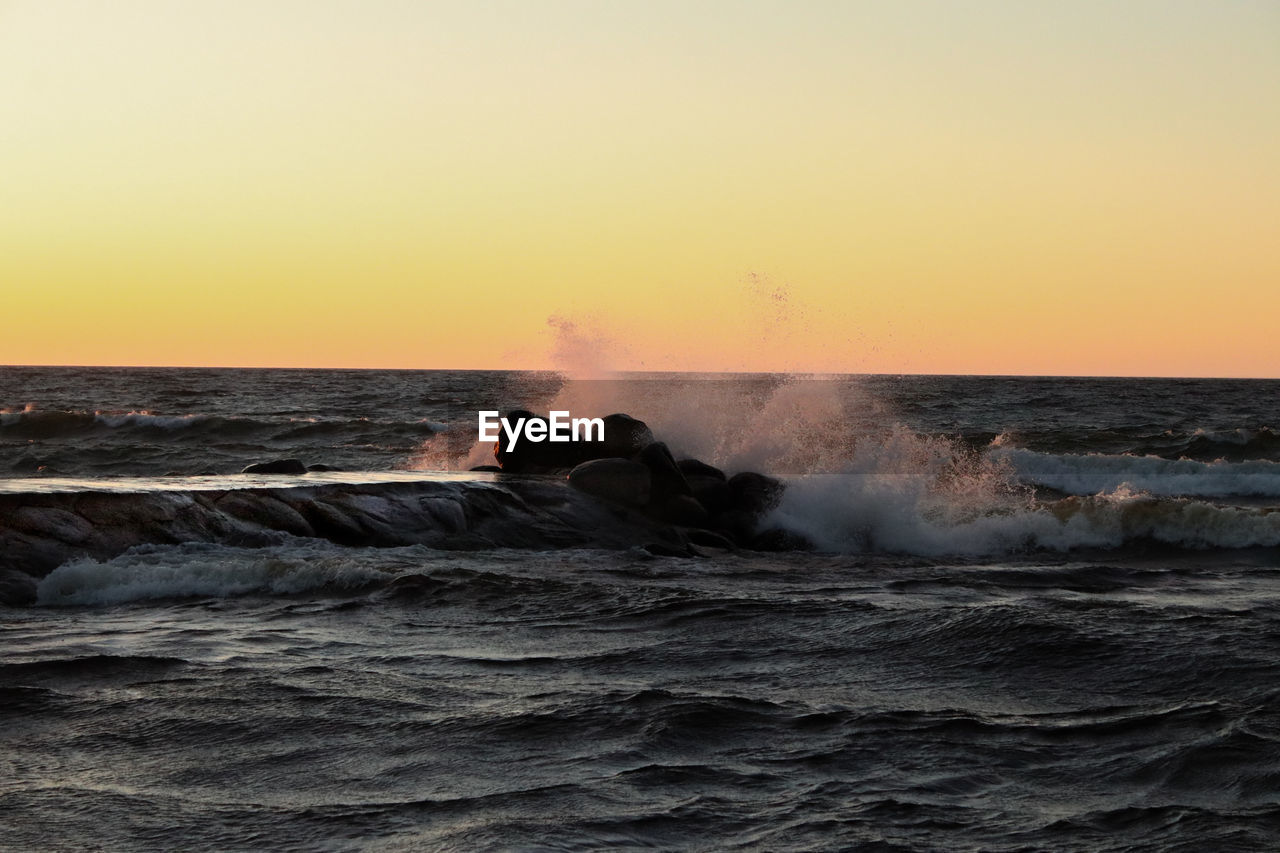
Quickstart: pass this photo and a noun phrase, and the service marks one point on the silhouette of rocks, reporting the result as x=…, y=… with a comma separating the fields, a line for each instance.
x=754, y=493
x=698, y=468
x=683, y=510
x=619, y=480
x=624, y=436
x=668, y=482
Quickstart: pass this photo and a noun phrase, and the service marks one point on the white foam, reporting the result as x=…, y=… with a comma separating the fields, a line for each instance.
x=854, y=513
x=145, y=418
x=1093, y=474
x=203, y=570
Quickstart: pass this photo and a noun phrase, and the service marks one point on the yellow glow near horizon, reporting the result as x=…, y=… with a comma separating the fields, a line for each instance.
x=820, y=186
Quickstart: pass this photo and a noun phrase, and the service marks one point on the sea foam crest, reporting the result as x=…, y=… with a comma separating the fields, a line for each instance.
x=850, y=513
x=147, y=419
x=151, y=572
x=1093, y=474
x=928, y=496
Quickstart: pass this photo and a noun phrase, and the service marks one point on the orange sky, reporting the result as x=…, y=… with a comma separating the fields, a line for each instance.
x=1008, y=187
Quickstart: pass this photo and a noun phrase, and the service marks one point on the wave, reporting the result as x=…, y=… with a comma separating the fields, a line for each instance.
x=203, y=571
x=1096, y=473
x=861, y=514
x=1239, y=444
x=33, y=423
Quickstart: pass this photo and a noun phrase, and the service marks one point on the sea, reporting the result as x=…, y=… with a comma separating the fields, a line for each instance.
x=1031, y=614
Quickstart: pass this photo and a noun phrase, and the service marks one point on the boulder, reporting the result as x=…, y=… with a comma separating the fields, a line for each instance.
x=537, y=457
x=711, y=493
x=620, y=480
x=684, y=511
x=276, y=466
x=738, y=525
x=624, y=436
x=754, y=493
x=668, y=482
x=698, y=468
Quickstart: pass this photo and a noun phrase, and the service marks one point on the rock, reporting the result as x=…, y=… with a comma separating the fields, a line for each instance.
x=698, y=468
x=264, y=510
x=52, y=522
x=277, y=466
x=711, y=493
x=738, y=525
x=321, y=468
x=624, y=436
x=618, y=480
x=754, y=493
x=536, y=457
x=330, y=522
x=667, y=480
x=491, y=469
x=42, y=530
x=684, y=511
x=17, y=588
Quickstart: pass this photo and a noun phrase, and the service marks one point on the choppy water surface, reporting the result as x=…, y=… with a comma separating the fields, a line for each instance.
x=1043, y=615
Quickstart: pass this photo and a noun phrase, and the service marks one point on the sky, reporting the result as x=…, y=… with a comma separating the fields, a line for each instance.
x=908, y=187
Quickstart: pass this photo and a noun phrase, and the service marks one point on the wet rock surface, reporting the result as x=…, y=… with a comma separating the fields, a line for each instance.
x=41, y=530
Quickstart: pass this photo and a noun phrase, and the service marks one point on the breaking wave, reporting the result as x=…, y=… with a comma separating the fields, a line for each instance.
x=1096, y=473
x=155, y=572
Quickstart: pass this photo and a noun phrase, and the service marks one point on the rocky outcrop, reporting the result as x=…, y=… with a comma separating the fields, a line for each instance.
x=624, y=437
x=689, y=493
x=618, y=480
x=41, y=530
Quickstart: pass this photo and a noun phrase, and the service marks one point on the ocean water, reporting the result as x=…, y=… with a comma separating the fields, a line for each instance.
x=1040, y=614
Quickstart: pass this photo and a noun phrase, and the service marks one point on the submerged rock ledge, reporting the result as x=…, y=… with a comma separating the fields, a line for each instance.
x=40, y=531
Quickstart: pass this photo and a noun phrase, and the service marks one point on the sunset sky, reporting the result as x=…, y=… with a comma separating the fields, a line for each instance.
x=943, y=187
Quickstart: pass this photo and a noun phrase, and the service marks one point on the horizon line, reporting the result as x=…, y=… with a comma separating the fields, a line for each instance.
x=808, y=373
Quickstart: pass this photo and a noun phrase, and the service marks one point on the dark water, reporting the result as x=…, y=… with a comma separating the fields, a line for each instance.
x=1043, y=616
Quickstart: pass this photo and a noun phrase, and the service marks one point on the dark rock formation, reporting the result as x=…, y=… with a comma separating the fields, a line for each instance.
x=698, y=468
x=41, y=530
x=668, y=482
x=534, y=457
x=689, y=493
x=624, y=437
x=714, y=495
x=683, y=510
x=619, y=480
x=754, y=493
